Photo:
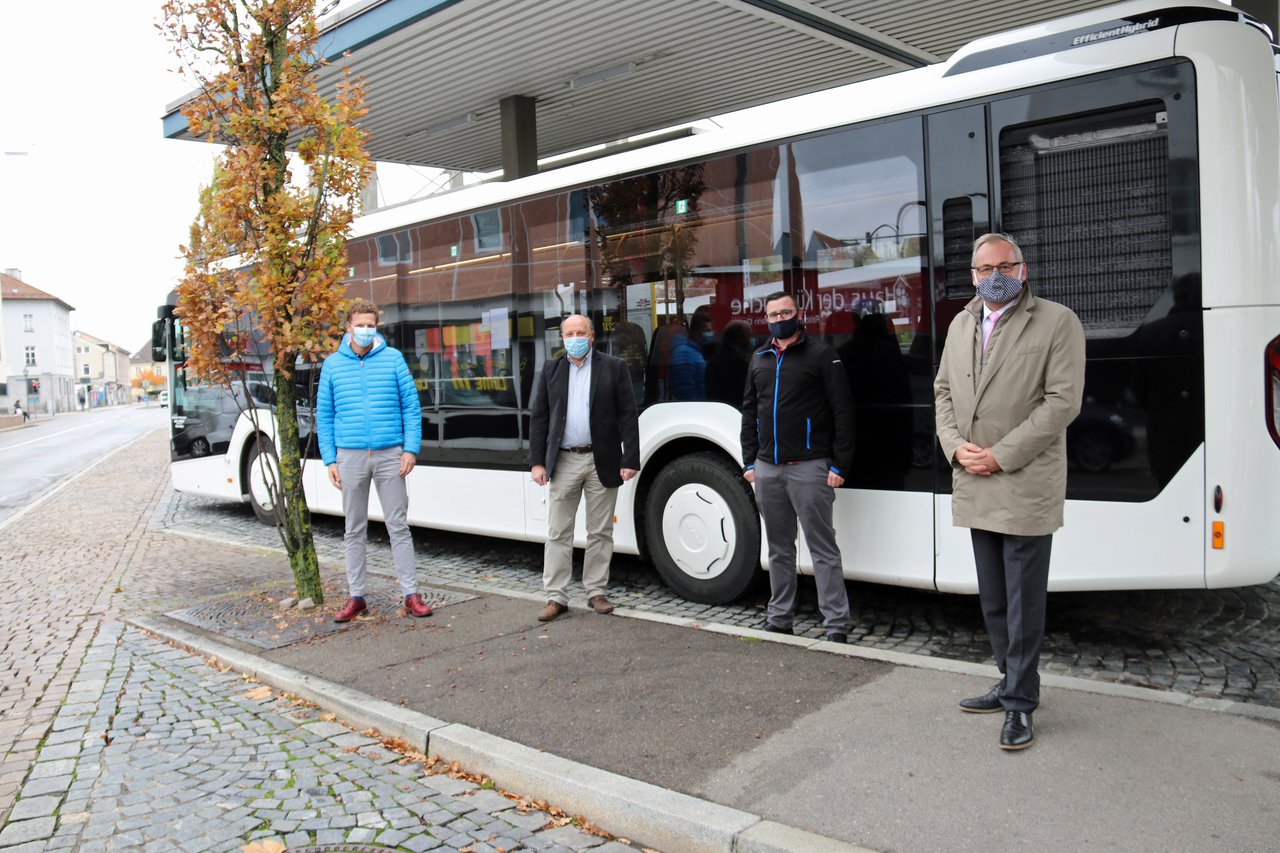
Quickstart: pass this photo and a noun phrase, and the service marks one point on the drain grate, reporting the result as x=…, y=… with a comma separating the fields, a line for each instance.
x=341, y=848
x=256, y=619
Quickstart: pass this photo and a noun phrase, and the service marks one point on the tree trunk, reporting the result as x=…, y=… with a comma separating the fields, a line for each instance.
x=293, y=518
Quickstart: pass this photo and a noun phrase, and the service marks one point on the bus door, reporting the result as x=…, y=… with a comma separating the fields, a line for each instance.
x=959, y=212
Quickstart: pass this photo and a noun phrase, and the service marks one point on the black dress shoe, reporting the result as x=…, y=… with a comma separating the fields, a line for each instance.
x=837, y=637
x=987, y=703
x=1017, y=732
x=774, y=629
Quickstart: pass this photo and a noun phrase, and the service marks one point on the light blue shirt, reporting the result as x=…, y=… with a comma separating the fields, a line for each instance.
x=577, y=421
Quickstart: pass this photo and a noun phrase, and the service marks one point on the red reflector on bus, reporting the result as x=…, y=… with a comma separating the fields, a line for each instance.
x=1219, y=534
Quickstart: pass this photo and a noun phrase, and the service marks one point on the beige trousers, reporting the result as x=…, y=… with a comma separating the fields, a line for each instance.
x=575, y=476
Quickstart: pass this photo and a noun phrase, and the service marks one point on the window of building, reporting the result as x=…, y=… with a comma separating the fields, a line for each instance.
x=488, y=230
x=84, y=369
x=394, y=249
x=28, y=322
x=29, y=354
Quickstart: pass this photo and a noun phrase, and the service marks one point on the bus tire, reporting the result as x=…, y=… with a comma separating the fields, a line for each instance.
x=702, y=529
x=255, y=471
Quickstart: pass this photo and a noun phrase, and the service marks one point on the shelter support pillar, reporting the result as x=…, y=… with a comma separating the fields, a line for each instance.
x=1267, y=11
x=519, y=137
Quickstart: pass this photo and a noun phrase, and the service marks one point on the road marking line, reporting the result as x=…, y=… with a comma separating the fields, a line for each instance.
x=50, y=435
x=71, y=479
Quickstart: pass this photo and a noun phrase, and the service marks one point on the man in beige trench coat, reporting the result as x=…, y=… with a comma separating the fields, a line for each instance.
x=1010, y=381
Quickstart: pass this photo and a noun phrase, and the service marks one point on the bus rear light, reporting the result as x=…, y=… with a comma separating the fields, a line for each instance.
x=1272, y=406
x=1219, y=535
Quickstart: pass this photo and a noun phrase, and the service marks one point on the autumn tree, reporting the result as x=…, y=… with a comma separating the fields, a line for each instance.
x=147, y=379
x=267, y=252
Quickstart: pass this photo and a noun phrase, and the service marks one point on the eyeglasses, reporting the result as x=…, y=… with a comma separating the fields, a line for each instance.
x=784, y=314
x=1007, y=267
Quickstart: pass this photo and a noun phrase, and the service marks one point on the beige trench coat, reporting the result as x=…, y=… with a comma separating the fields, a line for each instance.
x=1018, y=401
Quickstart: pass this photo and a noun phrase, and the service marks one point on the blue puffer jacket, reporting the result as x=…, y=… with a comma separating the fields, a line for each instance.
x=367, y=403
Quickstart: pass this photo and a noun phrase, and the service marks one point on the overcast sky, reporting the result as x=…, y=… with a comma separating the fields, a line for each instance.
x=94, y=209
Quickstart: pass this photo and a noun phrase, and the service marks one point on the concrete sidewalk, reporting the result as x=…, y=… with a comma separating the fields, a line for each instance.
x=687, y=736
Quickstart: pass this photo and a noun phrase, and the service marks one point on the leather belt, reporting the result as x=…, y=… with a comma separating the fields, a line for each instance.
x=582, y=448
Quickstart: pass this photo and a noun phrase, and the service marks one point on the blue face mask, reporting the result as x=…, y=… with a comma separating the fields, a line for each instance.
x=363, y=335
x=577, y=347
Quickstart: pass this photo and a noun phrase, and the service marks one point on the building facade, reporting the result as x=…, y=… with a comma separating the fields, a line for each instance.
x=38, y=349
x=146, y=379
x=102, y=372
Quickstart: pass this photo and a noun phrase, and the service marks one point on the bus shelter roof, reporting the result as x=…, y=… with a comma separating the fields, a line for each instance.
x=437, y=72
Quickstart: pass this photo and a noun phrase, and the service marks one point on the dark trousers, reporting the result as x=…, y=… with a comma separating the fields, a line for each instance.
x=798, y=494
x=1013, y=585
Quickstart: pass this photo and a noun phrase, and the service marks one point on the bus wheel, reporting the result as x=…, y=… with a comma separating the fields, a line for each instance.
x=262, y=473
x=702, y=529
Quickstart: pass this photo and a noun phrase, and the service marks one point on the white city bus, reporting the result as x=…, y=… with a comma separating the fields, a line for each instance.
x=1133, y=151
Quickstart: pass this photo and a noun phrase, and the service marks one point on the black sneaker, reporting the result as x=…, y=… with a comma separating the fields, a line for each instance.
x=837, y=637
x=774, y=629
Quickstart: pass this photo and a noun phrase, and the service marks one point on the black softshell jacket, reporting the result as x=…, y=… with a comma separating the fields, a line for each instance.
x=797, y=406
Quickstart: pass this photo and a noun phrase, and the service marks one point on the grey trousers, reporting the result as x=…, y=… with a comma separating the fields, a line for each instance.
x=575, y=476
x=359, y=468
x=1013, y=587
x=785, y=494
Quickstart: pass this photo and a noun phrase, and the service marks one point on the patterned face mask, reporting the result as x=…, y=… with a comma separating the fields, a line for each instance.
x=999, y=288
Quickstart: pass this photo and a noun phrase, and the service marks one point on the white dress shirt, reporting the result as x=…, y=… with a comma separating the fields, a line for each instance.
x=577, y=422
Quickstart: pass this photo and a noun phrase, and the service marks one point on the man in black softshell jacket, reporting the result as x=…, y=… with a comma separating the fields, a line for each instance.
x=797, y=446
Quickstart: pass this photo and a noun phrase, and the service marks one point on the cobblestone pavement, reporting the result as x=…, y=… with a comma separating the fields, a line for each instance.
x=110, y=740
x=1212, y=643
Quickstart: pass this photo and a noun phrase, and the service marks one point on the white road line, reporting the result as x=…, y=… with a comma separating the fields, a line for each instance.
x=69, y=480
x=98, y=425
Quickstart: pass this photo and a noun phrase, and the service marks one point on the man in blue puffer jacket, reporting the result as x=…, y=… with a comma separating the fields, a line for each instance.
x=370, y=428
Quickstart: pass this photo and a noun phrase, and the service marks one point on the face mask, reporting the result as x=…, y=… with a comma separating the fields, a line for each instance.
x=577, y=347
x=784, y=329
x=707, y=337
x=999, y=288
x=363, y=335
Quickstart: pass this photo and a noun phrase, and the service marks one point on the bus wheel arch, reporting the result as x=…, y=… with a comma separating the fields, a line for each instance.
x=700, y=525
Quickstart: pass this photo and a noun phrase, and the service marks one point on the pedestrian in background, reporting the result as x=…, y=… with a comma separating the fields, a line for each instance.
x=1010, y=381
x=370, y=428
x=584, y=439
x=19, y=410
x=797, y=445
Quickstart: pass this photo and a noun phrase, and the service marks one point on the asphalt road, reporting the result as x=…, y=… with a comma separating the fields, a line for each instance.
x=39, y=455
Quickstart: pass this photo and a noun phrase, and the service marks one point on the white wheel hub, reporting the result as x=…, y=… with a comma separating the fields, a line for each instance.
x=698, y=529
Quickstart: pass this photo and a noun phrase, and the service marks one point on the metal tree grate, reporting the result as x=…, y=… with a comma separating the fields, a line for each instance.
x=340, y=848
x=257, y=620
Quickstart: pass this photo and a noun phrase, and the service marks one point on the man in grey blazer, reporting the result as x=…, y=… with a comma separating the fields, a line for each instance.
x=1010, y=380
x=584, y=439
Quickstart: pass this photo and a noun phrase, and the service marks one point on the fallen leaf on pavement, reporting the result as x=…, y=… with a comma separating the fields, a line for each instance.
x=268, y=846
x=263, y=692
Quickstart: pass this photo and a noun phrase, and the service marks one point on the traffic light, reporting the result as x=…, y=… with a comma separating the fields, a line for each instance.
x=35, y=386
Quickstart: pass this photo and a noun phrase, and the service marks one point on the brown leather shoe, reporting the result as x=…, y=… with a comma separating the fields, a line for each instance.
x=353, y=608
x=415, y=606
x=552, y=610
x=600, y=604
